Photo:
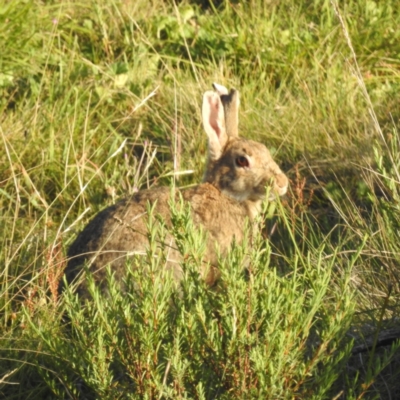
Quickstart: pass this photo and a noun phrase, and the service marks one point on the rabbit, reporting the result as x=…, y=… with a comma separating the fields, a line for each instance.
x=233, y=188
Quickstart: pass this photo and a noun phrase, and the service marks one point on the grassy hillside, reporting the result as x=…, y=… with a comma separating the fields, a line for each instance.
x=99, y=99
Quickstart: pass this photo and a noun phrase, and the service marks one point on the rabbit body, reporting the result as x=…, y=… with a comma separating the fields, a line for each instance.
x=120, y=231
x=234, y=186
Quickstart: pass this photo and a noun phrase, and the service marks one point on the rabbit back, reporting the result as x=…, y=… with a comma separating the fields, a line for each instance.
x=120, y=232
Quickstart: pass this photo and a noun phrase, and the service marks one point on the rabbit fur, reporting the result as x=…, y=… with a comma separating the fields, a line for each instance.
x=233, y=188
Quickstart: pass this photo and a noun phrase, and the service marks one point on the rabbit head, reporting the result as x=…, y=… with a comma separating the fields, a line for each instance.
x=242, y=169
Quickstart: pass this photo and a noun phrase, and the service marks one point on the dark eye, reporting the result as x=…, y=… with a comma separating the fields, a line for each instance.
x=242, y=161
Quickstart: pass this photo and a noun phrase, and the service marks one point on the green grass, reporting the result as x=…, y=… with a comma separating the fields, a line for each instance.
x=100, y=99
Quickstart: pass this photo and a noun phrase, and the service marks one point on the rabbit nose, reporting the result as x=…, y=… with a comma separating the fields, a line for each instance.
x=281, y=183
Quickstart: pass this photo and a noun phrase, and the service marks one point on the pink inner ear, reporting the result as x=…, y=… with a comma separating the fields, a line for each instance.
x=214, y=108
x=216, y=128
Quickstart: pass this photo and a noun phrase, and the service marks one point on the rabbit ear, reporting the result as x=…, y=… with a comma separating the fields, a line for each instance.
x=214, y=124
x=220, y=89
x=231, y=102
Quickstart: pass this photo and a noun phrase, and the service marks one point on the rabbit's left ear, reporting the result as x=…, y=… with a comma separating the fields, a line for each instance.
x=231, y=104
x=230, y=100
x=214, y=124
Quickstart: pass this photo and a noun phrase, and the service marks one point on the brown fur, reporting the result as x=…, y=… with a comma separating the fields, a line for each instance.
x=229, y=197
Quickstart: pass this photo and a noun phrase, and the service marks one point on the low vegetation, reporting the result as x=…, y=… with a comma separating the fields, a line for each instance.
x=100, y=99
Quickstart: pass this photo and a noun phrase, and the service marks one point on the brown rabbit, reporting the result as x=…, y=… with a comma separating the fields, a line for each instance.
x=234, y=186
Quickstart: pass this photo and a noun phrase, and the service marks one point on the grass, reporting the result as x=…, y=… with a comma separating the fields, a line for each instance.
x=101, y=99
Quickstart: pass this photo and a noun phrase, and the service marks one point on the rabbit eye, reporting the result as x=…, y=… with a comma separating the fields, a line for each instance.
x=242, y=161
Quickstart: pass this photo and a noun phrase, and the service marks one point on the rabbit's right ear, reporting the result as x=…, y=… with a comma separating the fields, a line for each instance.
x=214, y=124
